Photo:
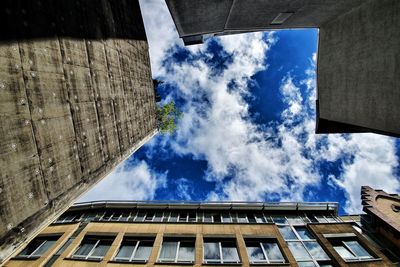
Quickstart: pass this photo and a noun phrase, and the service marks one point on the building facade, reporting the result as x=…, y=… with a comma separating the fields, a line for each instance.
x=76, y=99
x=196, y=234
x=358, y=51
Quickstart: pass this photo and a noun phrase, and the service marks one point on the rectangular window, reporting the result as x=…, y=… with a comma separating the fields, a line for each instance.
x=134, y=249
x=38, y=246
x=220, y=251
x=226, y=218
x=302, y=243
x=260, y=218
x=183, y=217
x=208, y=218
x=351, y=250
x=66, y=218
x=93, y=247
x=177, y=250
x=264, y=251
x=173, y=217
x=140, y=216
x=192, y=217
x=149, y=217
x=242, y=218
x=158, y=217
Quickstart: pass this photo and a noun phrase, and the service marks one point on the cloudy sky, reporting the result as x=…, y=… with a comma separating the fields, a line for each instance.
x=248, y=127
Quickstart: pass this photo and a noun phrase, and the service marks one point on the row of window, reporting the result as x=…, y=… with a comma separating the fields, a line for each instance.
x=301, y=243
x=205, y=217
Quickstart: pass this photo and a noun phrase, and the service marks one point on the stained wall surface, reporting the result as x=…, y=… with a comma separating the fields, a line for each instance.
x=359, y=68
x=76, y=98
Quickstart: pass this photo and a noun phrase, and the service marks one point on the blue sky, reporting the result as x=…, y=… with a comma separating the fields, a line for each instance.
x=248, y=127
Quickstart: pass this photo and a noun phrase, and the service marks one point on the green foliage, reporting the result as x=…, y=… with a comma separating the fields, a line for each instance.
x=167, y=117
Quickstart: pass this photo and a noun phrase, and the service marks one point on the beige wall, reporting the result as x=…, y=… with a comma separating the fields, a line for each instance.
x=158, y=230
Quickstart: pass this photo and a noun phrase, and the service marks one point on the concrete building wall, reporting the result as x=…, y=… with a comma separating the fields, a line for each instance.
x=75, y=100
x=359, y=67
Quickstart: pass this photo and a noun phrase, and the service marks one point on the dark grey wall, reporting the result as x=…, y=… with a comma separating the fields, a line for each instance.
x=359, y=67
x=74, y=102
x=217, y=16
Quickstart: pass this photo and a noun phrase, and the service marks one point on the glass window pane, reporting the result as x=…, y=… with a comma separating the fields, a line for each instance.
x=211, y=251
x=126, y=250
x=229, y=252
x=101, y=249
x=357, y=249
x=344, y=252
x=149, y=217
x=287, y=233
x=44, y=247
x=259, y=218
x=174, y=217
x=31, y=247
x=273, y=252
x=208, y=217
x=316, y=251
x=298, y=251
x=140, y=217
x=183, y=217
x=255, y=252
x=303, y=233
x=226, y=217
x=85, y=248
x=242, y=218
x=186, y=251
x=158, y=217
x=306, y=264
x=279, y=219
x=295, y=220
x=168, y=250
x=144, y=250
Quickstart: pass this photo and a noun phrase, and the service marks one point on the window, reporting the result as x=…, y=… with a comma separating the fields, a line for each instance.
x=66, y=218
x=158, y=217
x=327, y=219
x=242, y=218
x=220, y=251
x=304, y=247
x=259, y=217
x=149, y=217
x=93, y=247
x=351, y=250
x=208, y=218
x=177, y=250
x=226, y=218
x=264, y=251
x=38, y=246
x=173, y=217
x=140, y=216
x=134, y=249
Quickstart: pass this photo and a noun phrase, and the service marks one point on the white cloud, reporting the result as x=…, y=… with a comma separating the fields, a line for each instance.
x=222, y=133
x=128, y=182
x=160, y=31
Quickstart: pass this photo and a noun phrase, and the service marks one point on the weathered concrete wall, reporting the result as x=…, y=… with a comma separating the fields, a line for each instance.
x=359, y=67
x=71, y=108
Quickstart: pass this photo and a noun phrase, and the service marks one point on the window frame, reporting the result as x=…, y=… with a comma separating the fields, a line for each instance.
x=260, y=241
x=176, y=258
x=221, y=257
x=342, y=243
x=132, y=257
x=46, y=238
x=89, y=255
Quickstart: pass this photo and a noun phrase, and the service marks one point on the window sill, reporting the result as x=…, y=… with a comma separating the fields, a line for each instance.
x=174, y=263
x=128, y=262
x=26, y=258
x=363, y=260
x=270, y=264
x=225, y=263
x=80, y=259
